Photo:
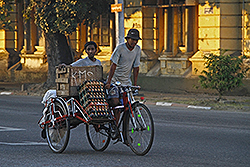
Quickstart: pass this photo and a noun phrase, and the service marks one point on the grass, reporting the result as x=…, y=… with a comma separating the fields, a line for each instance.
x=230, y=103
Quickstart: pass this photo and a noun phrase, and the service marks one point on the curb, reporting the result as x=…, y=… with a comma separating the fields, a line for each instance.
x=181, y=105
x=166, y=104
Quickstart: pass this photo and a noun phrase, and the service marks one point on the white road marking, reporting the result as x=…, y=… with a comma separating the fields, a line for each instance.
x=200, y=107
x=26, y=143
x=2, y=128
x=182, y=105
x=163, y=104
x=23, y=144
x=6, y=93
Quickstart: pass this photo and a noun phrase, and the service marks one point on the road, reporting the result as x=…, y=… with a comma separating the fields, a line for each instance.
x=183, y=137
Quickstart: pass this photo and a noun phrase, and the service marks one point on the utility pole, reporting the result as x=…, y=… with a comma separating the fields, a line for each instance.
x=119, y=24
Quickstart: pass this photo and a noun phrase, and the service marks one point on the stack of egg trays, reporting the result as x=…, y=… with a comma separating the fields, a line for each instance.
x=92, y=99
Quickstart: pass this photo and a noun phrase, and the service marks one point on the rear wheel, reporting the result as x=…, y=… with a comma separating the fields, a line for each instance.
x=139, y=130
x=58, y=134
x=97, y=136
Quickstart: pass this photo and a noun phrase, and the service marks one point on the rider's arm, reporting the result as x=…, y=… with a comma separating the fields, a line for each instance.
x=110, y=76
x=135, y=74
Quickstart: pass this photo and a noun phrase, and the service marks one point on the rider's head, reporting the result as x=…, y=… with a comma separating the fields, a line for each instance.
x=90, y=43
x=132, y=38
x=90, y=48
x=133, y=34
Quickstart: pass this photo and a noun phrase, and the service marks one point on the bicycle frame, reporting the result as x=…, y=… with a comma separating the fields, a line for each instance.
x=74, y=107
x=129, y=100
x=49, y=109
x=60, y=115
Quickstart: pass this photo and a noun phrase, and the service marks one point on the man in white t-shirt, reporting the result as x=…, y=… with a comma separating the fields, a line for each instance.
x=125, y=59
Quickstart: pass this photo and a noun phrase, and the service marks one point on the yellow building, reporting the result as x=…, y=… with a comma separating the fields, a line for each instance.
x=175, y=36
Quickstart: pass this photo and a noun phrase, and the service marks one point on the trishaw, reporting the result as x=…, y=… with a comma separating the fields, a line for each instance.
x=135, y=127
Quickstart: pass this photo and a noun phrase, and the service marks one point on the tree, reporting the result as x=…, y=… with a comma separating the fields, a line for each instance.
x=223, y=73
x=5, y=9
x=58, y=19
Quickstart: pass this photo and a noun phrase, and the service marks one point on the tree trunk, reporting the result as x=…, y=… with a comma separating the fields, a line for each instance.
x=58, y=51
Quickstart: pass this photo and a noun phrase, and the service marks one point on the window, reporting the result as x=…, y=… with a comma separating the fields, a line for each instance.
x=181, y=25
x=101, y=31
x=163, y=2
x=150, y=2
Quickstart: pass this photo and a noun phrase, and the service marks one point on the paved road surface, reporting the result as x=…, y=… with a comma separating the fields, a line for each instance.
x=183, y=137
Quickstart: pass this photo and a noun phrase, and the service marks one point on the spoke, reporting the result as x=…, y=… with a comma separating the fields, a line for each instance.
x=140, y=133
x=139, y=115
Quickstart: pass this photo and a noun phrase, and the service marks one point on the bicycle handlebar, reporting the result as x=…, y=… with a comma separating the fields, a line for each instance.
x=133, y=87
x=136, y=87
x=126, y=86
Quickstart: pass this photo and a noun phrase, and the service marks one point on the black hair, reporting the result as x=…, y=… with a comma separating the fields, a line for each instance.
x=90, y=43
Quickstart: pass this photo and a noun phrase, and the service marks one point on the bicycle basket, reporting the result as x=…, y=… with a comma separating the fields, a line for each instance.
x=92, y=98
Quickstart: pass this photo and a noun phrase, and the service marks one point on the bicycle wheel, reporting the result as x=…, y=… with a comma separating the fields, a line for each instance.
x=58, y=135
x=97, y=136
x=139, y=132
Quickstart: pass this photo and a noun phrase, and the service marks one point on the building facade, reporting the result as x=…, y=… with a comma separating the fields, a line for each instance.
x=175, y=36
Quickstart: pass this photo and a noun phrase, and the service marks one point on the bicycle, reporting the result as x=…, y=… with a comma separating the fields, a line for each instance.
x=135, y=127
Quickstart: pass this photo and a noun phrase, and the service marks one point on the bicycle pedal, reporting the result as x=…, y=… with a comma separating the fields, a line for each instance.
x=114, y=136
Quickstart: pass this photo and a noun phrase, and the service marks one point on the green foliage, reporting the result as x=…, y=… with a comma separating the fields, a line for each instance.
x=223, y=73
x=63, y=16
x=5, y=9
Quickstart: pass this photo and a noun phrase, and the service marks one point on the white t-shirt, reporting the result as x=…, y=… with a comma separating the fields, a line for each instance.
x=125, y=60
x=86, y=62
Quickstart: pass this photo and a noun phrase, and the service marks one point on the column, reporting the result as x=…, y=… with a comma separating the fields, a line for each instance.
x=189, y=31
x=175, y=32
x=167, y=32
x=26, y=30
x=33, y=34
x=20, y=35
x=170, y=30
